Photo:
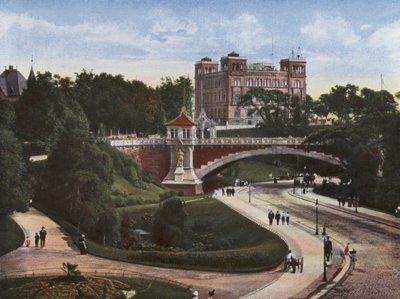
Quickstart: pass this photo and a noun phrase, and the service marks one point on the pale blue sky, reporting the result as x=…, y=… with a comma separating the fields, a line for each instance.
x=343, y=41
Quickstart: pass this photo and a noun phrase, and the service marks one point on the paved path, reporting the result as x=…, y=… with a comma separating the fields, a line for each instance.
x=274, y=284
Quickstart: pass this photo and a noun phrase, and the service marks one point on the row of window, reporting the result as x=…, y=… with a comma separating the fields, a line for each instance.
x=186, y=133
x=267, y=83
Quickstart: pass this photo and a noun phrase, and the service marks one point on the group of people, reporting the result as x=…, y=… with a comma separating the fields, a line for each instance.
x=283, y=218
x=41, y=236
x=229, y=191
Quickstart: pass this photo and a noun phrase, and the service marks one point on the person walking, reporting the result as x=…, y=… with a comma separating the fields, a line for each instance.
x=346, y=249
x=37, y=240
x=271, y=217
x=283, y=218
x=42, y=236
x=277, y=217
x=328, y=249
x=82, y=244
x=27, y=241
x=287, y=218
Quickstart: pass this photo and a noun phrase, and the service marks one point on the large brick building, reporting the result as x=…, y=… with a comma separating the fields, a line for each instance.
x=220, y=86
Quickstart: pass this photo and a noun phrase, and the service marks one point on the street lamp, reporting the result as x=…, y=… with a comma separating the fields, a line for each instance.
x=356, y=202
x=324, y=277
x=316, y=217
x=249, y=192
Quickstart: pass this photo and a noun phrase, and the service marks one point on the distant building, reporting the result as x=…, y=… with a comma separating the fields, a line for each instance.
x=12, y=84
x=219, y=87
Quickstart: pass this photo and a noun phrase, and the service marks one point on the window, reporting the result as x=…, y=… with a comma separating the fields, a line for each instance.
x=267, y=83
x=275, y=83
x=236, y=82
x=258, y=82
x=297, y=84
x=237, y=113
x=249, y=82
x=174, y=133
x=236, y=98
x=284, y=83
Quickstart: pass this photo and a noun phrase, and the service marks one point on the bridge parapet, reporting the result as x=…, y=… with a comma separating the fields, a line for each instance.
x=137, y=142
x=251, y=141
x=212, y=141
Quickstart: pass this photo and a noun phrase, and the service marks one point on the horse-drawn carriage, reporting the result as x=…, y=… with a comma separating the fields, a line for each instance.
x=293, y=263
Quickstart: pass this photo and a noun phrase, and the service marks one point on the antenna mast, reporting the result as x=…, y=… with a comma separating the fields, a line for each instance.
x=272, y=51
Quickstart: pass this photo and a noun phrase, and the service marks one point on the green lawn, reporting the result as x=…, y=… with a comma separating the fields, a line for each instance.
x=220, y=240
x=258, y=169
x=11, y=235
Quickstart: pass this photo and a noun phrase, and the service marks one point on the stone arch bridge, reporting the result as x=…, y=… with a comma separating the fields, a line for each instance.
x=205, y=157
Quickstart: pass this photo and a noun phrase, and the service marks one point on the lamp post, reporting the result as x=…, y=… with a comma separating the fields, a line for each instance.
x=324, y=276
x=356, y=202
x=316, y=217
x=249, y=192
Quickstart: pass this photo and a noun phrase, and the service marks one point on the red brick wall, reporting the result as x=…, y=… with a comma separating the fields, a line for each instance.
x=155, y=160
x=203, y=154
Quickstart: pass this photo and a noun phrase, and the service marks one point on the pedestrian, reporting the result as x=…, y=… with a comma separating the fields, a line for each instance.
x=328, y=249
x=346, y=249
x=223, y=191
x=287, y=218
x=271, y=217
x=277, y=217
x=27, y=241
x=42, y=235
x=283, y=218
x=37, y=240
x=82, y=244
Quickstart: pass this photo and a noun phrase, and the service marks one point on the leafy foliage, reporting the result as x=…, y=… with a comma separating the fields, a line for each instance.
x=281, y=114
x=14, y=186
x=70, y=269
x=170, y=223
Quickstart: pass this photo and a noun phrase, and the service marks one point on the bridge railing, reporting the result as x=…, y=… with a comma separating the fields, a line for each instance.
x=137, y=142
x=121, y=142
x=252, y=141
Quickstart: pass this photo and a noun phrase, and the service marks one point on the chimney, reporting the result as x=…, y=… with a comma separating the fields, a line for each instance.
x=10, y=67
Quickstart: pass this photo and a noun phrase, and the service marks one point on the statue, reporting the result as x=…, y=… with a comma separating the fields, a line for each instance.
x=179, y=157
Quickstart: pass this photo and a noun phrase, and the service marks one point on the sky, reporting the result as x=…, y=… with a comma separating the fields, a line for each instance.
x=355, y=41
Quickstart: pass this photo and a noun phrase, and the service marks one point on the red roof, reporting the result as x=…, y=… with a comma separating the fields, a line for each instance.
x=182, y=120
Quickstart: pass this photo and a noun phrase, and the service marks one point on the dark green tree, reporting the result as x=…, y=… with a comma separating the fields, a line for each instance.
x=170, y=223
x=175, y=94
x=14, y=187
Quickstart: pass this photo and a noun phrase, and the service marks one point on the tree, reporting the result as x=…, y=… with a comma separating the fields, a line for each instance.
x=170, y=223
x=175, y=94
x=14, y=187
x=7, y=115
x=281, y=114
x=343, y=102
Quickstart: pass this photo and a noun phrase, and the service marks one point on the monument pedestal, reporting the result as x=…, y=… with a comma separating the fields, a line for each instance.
x=178, y=174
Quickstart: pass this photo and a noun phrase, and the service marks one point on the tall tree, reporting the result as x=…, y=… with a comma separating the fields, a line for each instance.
x=175, y=94
x=14, y=188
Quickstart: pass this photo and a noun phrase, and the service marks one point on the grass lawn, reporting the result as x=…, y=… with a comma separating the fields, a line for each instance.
x=150, y=191
x=256, y=170
x=11, y=235
x=60, y=287
x=216, y=233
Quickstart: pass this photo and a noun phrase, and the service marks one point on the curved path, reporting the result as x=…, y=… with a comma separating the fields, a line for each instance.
x=274, y=284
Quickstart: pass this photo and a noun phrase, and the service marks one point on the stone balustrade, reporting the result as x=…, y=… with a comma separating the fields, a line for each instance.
x=124, y=142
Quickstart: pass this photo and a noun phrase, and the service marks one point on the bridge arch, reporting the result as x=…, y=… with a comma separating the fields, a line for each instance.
x=224, y=161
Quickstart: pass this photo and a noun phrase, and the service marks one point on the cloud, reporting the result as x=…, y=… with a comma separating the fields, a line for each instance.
x=326, y=29
x=365, y=27
x=386, y=38
x=244, y=32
